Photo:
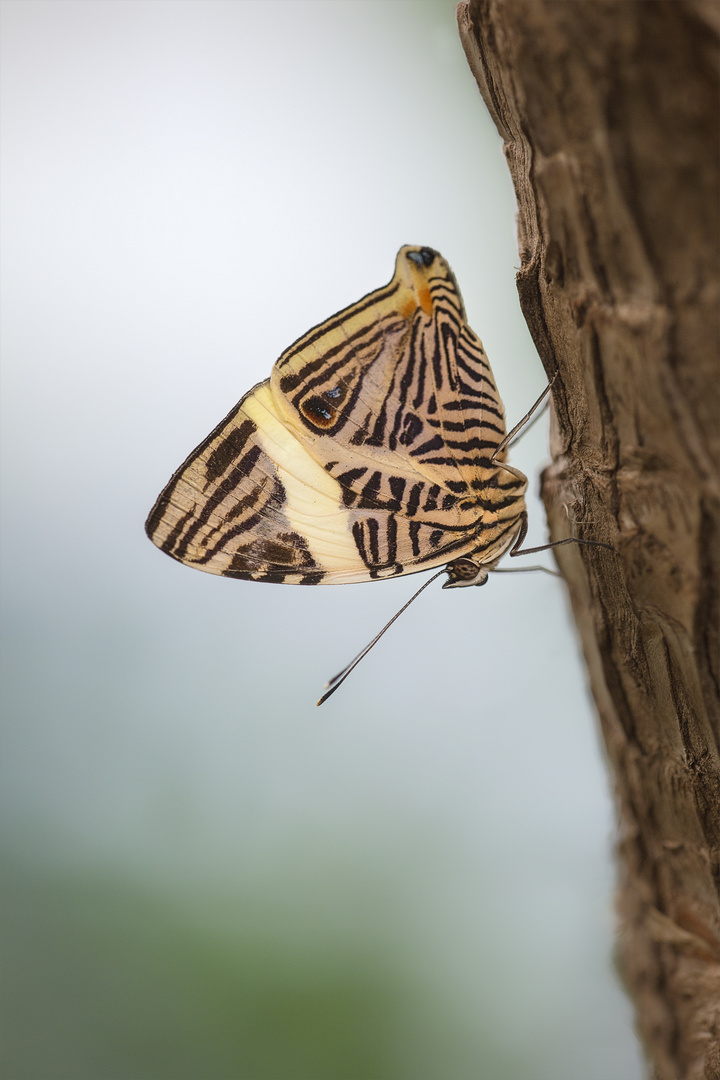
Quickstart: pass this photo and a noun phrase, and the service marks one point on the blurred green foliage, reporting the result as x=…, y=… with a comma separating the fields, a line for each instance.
x=105, y=982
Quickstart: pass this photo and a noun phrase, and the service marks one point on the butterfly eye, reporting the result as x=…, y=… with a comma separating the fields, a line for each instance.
x=318, y=412
x=465, y=572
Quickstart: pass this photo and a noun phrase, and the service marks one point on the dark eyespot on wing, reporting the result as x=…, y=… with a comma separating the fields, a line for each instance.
x=318, y=412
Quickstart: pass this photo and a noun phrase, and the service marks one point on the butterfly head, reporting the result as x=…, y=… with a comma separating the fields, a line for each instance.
x=463, y=572
x=424, y=279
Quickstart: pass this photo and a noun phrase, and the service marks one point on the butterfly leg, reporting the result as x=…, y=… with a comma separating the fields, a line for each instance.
x=518, y=549
x=523, y=425
x=522, y=569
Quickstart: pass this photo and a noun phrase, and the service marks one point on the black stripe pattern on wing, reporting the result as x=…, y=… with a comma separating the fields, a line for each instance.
x=411, y=396
x=395, y=400
x=224, y=511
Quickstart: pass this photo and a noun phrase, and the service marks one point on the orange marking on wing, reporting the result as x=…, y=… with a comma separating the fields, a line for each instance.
x=408, y=309
x=425, y=300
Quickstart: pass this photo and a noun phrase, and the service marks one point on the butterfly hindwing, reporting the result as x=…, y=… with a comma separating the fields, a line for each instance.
x=243, y=503
x=367, y=453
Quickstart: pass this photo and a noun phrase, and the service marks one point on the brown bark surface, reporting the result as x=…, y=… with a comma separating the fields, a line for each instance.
x=609, y=113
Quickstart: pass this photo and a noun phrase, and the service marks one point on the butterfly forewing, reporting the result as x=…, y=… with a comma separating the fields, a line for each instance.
x=366, y=455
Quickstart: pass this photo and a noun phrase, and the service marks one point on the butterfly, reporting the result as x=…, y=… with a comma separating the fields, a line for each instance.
x=375, y=449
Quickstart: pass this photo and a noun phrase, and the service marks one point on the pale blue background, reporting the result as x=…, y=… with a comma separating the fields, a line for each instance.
x=206, y=876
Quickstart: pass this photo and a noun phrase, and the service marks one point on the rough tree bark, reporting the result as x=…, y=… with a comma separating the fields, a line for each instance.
x=609, y=113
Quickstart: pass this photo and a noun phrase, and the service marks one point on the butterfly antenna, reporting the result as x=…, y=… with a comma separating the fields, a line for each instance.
x=339, y=679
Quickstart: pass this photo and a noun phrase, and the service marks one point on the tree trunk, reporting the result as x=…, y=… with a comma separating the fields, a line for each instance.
x=609, y=112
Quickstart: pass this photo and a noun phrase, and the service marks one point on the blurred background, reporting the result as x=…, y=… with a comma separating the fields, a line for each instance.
x=204, y=876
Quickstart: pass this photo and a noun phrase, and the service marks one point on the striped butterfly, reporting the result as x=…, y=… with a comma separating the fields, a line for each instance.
x=376, y=448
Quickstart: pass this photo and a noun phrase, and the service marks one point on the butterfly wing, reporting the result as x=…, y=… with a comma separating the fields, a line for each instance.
x=366, y=454
x=251, y=503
